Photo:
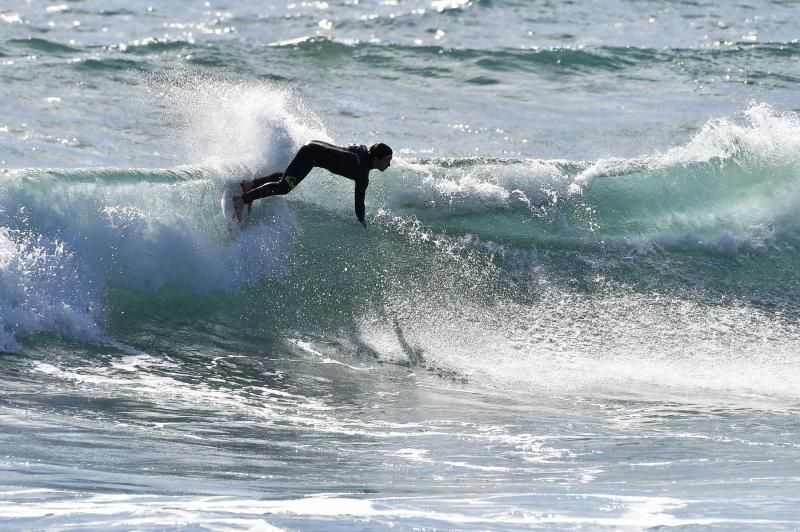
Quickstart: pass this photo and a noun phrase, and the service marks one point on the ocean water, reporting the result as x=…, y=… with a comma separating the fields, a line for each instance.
x=576, y=305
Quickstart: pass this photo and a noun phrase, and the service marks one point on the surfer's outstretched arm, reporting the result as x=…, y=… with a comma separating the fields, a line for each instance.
x=360, y=193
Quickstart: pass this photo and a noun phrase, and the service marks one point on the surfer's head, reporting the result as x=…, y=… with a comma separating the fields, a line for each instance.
x=381, y=156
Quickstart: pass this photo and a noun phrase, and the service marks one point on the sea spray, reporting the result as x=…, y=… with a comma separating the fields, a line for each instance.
x=237, y=128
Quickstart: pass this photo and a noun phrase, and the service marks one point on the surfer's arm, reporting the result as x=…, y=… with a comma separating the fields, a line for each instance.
x=361, y=192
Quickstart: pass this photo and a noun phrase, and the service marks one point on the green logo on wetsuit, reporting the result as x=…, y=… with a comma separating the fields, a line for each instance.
x=291, y=181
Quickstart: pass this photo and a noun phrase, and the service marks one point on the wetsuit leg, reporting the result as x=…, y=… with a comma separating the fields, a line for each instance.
x=271, y=178
x=298, y=169
x=262, y=187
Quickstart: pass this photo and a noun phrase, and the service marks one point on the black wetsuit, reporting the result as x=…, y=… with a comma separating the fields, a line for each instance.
x=352, y=162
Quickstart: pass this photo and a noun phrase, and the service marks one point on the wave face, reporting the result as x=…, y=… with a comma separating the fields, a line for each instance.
x=568, y=271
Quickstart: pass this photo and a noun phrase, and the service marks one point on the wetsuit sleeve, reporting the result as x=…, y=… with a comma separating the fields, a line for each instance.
x=361, y=192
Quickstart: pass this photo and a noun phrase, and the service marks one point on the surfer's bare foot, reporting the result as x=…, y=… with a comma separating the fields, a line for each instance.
x=238, y=207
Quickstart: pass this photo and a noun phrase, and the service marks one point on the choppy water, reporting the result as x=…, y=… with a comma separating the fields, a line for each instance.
x=575, y=305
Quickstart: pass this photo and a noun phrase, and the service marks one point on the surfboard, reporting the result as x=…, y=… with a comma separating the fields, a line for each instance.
x=229, y=211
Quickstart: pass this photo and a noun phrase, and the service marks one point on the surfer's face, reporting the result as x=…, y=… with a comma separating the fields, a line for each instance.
x=384, y=163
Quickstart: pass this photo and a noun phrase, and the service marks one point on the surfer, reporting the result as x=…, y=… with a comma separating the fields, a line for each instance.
x=353, y=162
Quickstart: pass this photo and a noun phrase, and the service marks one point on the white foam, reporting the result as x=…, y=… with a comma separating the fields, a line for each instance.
x=766, y=135
x=421, y=456
x=482, y=187
x=65, y=509
x=45, y=287
x=761, y=135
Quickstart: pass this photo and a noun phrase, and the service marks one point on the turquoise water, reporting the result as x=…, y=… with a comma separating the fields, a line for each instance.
x=575, y=305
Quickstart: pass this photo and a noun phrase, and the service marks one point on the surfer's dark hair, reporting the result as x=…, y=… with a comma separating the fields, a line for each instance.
x=379, y=150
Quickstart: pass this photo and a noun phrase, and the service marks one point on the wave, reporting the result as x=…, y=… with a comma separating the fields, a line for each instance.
x=151, y=45
x=732, y=191
x=108, y=176
x=107, y=64
x=579, y=59
x=67, y=241
x=733, y=184
x=42, y=45
x=499, y=59
x=556, y=265
x=138, y=47
x=148, y=230
x=471, y=65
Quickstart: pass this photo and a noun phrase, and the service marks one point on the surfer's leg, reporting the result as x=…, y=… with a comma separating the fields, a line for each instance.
x=238, y=201
x=302, y=164
x=266, y=190
x=247, y=186
x=297, y=170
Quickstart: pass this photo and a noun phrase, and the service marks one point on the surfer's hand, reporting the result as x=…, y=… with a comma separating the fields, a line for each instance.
x=364, y=223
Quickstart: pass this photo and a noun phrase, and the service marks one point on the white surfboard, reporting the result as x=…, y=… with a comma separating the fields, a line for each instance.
x=229, y=211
